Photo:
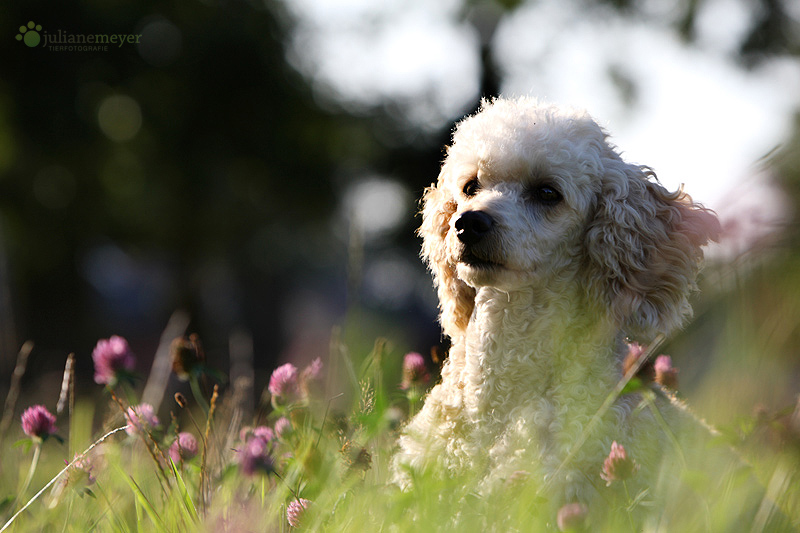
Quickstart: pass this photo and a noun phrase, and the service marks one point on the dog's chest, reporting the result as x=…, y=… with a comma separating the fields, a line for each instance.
x=508, y=387
x=530, y=383
x=509, y=357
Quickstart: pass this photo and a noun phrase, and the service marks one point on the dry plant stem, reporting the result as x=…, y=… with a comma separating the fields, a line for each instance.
x=325, y=418
x=13, y=390
x=278, y=476
x=182, y=404
x=66, y=384
x=67, y=396
x=146, y=437
x=204, y=491
x=50, y=483
x=158, y=380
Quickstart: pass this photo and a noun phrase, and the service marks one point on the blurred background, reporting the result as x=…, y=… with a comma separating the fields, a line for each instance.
x=251, y=168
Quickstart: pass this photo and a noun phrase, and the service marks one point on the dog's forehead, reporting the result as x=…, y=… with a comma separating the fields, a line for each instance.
x=508, y=141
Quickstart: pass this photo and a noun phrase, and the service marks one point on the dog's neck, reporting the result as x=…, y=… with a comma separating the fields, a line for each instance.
x=535, y=343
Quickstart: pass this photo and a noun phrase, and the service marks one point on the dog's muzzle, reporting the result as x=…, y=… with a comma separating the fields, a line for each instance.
x=473, y=226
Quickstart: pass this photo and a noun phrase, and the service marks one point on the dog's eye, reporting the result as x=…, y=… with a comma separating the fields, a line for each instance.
x=546, y=194
x=472, y=187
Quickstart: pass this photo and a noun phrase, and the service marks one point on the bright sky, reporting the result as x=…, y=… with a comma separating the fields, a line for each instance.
x=366, y=52
x=695, y=117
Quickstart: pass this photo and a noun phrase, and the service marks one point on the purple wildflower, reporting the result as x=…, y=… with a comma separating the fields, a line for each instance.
x=283, y=384
x=262, y=432
x=631, y=361
x=283, y=427
x=38, y=422
x=313, y=371
x=183, y=448
x=311, y=378
x=618, y=466
x=295, y=511
x=572, y=517
x=112, y=357
x=414, y=371
x=635, y=350
x=666, y=374
x=645, y=373
x=141, y=418
x=80, y=470
x=255, y=457
x=79, y=476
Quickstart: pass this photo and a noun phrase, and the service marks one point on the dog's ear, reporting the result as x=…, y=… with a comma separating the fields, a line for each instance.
x=456, y=298
x=644, y=250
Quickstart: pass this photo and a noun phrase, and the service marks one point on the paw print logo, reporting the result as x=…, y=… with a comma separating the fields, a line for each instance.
x=30, y=34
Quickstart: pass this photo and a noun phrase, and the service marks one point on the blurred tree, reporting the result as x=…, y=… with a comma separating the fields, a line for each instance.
x=193, y=173
x=197, y=170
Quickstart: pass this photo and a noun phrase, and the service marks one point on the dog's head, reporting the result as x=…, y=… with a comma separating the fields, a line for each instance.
x=531, y=195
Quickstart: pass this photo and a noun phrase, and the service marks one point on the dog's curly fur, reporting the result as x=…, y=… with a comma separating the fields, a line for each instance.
x=547, y=252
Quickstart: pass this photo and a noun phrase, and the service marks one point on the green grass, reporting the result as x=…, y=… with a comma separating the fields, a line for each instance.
x=338, y=453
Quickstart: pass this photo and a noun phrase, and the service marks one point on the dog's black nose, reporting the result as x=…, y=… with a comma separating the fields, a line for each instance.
x=471, y=226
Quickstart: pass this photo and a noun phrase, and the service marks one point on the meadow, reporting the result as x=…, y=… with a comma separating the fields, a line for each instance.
x=316, y=454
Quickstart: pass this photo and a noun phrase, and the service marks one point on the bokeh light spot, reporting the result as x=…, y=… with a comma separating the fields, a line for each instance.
x=119, y=117
x=161, y=41
x=376, y=206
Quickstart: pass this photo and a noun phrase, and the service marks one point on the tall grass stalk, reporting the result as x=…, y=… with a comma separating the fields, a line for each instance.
x=37, y=451
x=63, y=470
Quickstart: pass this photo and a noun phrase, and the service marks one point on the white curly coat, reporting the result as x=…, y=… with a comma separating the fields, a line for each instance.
x=577, y=251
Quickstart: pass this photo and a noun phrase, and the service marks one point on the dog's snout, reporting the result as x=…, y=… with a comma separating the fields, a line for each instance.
x=471, y=226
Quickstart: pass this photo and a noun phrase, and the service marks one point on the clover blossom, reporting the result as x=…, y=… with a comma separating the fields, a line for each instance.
x=283, y=427
x=415, y=372
x=112, y=359
x=183, y=448
x=295, y=511
x=283, y=384
x=311, y=378
x=79, y=476
x=38, y=422
x=255, y=456
x=666, y=374
x=618, y=466
x=572, y=517
x=141, y=418
x=265, y=433
x=635, y=350
x=80, y=470
x=644, y=373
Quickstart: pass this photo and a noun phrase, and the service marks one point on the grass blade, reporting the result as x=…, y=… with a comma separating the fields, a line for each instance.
x=142, y=500
x=188, y=507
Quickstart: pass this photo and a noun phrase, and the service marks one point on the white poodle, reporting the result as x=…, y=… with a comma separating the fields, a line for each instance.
x=548, y=252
